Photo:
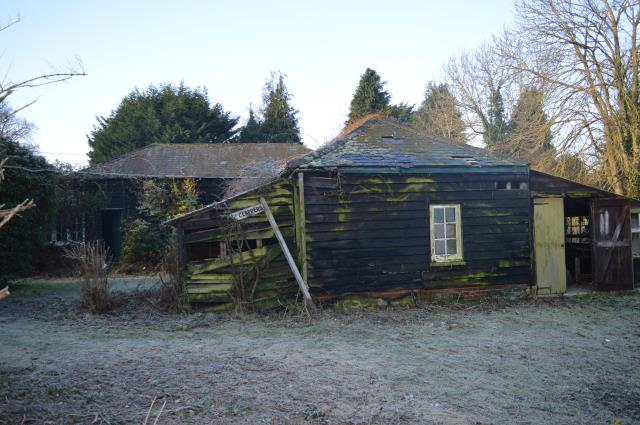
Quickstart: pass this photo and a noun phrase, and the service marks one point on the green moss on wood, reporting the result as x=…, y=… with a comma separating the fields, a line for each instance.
x=222, y=278
x=246, y=257
x=219, y=289
x=477, y=278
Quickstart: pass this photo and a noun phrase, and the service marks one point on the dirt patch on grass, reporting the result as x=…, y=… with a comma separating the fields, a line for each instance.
x=554, y=361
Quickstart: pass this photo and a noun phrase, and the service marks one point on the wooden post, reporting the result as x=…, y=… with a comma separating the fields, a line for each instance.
x=303, y=231
x=287, y=254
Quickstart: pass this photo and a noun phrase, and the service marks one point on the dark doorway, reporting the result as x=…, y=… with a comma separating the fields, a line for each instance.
x=578, y=243
x=112, y=231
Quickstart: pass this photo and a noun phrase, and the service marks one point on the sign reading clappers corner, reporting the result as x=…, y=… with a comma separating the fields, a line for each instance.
x=247, y=212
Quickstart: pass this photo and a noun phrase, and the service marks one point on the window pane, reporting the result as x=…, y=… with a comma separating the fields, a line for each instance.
x=635, y=246
x=438, y=215
x=451, y=247
x=635, y=222
x=438, y=231
x=451, y=215
x=451, y=230
x=440, y=244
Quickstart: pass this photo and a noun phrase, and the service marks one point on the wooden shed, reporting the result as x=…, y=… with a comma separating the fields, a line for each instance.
x=386, y=212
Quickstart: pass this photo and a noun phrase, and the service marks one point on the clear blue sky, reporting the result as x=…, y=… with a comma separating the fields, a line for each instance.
x=231, y=47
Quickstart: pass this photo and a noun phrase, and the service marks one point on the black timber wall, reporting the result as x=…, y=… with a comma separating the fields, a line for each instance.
x=368, y=232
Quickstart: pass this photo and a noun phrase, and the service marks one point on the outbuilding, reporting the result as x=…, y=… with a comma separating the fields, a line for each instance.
x=388, y=212
x=211, y=166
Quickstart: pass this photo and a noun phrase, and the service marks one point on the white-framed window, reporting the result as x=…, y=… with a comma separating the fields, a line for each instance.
x=635, y=232
x=446, y=233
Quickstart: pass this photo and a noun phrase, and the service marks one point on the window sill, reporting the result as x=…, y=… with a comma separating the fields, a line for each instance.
x=449, y=263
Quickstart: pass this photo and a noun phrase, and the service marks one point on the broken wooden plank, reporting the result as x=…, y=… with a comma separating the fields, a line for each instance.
x=245, y=256
x=287, y=254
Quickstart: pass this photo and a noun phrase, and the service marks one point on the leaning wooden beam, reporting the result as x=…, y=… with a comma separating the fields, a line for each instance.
x=287, y=254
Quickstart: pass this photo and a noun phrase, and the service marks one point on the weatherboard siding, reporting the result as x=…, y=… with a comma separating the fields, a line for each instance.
x=370, y=232
x=211, y=281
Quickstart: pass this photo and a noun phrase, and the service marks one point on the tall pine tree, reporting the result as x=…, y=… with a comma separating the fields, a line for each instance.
x=370, y=96
x=439, y=114
x=279, y=118
x=403, y=112
x=252, y=130
x=496, y=128
x=529, y=128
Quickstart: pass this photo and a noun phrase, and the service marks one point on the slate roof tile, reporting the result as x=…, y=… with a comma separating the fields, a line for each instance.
x=227, y=160
x=385, y=142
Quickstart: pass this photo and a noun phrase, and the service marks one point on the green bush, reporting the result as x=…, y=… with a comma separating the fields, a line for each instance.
x=144, y=243
x=27, y=176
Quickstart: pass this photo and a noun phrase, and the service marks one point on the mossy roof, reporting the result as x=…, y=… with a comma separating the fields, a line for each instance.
x=381, y=142
x=229, y=160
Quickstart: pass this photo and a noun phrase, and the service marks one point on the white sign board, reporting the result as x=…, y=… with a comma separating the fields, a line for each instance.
x=247, y=212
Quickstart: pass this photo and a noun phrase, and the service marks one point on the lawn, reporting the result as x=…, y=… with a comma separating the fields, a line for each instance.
x=553, y=361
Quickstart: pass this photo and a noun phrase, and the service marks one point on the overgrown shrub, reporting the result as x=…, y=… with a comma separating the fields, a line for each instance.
x=28, y=176
x=144, y=243
x=171, y=294
x=90, y=262
x=146, y=239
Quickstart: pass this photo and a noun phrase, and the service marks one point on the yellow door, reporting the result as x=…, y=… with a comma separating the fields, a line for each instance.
x=548, y=216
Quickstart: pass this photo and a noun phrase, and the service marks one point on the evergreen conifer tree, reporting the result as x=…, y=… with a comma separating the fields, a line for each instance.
x=370, y=96
x=439, y=114
x=403, y=112
x=160, y=114
x=252, y=130
x=497, y=127
x=279, y=118
x=529, y=126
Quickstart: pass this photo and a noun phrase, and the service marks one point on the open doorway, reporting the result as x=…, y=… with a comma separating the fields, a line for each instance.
x=578, y=244
x=598, y=239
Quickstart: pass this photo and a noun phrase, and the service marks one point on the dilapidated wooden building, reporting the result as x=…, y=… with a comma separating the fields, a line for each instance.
x=212, y=166
x=386, y=212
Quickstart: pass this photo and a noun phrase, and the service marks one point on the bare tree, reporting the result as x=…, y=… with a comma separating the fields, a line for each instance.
x=586, y=54
x=55, y=75
x=479, y=80
x=15, y=128
x=439, y=114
